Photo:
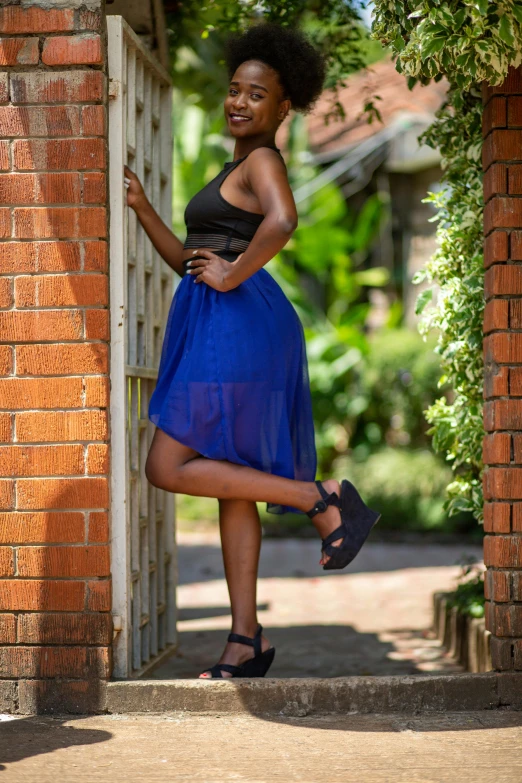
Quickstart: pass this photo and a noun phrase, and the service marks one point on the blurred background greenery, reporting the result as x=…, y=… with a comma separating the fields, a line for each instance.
x=370, y=381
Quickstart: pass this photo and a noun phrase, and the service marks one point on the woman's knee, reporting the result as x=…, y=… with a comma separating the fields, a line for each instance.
x=161, y=474
x=151, y=471
x=165, y=461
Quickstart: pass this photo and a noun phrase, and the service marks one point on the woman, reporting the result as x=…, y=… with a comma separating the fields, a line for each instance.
x=232, y=404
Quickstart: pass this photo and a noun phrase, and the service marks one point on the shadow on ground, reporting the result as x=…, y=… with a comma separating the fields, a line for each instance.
x=347, y=748
x=400, y=723
x=22, y=738
x=291, y=558
x=317, y=651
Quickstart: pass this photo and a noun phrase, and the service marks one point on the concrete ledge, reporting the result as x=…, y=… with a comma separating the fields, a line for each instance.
x=61, y=697
x=285, y=697
x=301, y=697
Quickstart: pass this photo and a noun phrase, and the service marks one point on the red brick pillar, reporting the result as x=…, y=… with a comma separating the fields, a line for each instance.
x=502, y=161
x=55, y=622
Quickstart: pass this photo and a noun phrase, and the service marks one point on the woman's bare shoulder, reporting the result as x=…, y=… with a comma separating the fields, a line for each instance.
x=266, y=156
x=265, y=164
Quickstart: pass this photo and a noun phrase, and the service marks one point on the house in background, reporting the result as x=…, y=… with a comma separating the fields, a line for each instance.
x=147, y=19
x=384, y=157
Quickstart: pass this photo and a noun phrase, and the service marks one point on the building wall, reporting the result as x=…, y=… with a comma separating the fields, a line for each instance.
x=55, y=590
x=502, y=157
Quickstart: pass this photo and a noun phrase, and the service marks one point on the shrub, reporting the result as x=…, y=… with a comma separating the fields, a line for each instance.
x=399, y=378
x=406, y=486
x=469, y=593
x=467, y=43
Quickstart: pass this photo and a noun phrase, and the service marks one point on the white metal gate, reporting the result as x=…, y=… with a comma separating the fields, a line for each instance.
x=143, y=536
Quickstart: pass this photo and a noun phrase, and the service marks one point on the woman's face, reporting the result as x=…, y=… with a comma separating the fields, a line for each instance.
x=254, y=105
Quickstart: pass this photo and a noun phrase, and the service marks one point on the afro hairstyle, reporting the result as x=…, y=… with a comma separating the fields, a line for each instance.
x=300, y=66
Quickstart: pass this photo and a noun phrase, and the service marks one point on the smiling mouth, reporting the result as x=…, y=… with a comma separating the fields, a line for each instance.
x=239, y=117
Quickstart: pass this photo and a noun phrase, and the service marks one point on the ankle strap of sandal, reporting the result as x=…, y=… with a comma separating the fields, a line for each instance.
x=254, y=642
x=320, y=507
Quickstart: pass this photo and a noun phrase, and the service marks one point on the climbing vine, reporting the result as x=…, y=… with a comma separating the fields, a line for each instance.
x=466, y=43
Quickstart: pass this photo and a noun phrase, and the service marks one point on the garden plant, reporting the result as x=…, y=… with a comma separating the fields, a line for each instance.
x=467, y=44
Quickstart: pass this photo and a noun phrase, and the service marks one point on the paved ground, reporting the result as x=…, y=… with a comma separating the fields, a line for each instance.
x=372, y=618
x=181, y=749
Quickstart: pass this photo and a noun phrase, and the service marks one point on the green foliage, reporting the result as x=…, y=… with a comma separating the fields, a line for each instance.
x=390, y=460
x=197, y=33
x=466, y=43
x=457, y=268
x=469, y=594
x=406, y=485
x=399, y=381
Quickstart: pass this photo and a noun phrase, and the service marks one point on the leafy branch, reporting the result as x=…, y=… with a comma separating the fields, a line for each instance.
x=466, y=43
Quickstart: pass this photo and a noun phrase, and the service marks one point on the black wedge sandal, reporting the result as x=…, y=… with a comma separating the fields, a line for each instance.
x=357, y=521
x=254, y=667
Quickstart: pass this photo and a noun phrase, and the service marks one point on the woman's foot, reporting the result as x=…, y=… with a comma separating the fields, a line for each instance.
x=330, y=519
x=236, y=654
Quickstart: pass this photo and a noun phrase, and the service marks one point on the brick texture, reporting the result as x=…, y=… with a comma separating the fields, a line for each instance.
x=61, y=290
x=46, y=121
x=67, y=359
x=502, y=446
x=8, y=624
x=74, y=154
x=61, y=426
x=98, y=523
x=60, y=87
x=99, y=596
x=19, y=51
x=497, y=517
x=42, y=595
x=55, y=586
x=20, y=393
x=64, y=628
x=53, y=460
x=63, y=561
x=15, y=20
x=73, y=50
x=74, y=493
x=39, y=661
x=40, y=188
x=93, y=120
x=62, y=222
x=53, y=527
x=18, y=326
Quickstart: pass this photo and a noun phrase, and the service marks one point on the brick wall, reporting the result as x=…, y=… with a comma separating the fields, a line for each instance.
x=55, y=617
x=502, y=160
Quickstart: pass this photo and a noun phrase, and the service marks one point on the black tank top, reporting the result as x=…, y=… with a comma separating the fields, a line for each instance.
x=213, y=222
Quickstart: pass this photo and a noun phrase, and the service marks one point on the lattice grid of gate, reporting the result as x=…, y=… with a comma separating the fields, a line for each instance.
x=143, y=518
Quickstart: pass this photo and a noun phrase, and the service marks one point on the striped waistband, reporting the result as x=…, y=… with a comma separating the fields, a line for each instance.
x=216, y=242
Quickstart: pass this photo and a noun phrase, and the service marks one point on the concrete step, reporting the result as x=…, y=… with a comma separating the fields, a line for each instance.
x=315, y=696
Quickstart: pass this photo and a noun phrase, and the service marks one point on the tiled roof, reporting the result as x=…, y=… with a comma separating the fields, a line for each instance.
x=380, y=79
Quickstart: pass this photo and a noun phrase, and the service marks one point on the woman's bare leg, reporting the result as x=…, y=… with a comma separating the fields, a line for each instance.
x=240, y=530
x=177, y=468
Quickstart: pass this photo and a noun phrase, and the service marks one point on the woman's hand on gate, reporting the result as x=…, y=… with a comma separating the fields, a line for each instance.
x=213, y=270
x=134, y=188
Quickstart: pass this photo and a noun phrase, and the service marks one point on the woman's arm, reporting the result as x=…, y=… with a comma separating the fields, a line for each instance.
x=265, y=175
x=166, y=243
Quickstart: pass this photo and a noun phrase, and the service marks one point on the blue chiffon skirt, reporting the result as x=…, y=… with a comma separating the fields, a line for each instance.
x=233, y=378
